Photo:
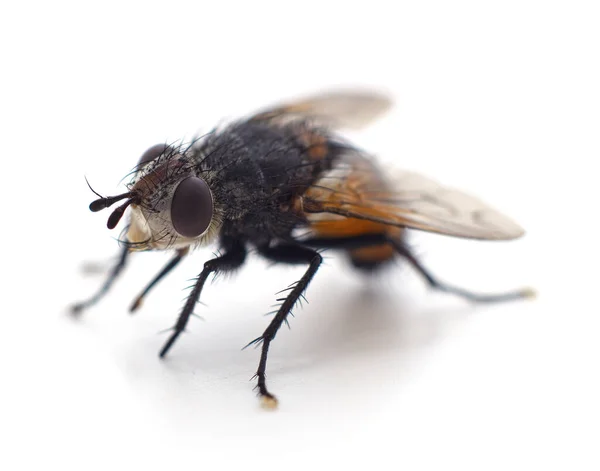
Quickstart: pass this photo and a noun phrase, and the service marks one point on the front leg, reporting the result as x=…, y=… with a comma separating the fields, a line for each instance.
x=234, y=256
x=116, y=270
x=292, y=254
x=164, y=272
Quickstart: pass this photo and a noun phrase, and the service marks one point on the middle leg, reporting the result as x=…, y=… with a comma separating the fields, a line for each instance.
x=291, y=254
x=233, y=258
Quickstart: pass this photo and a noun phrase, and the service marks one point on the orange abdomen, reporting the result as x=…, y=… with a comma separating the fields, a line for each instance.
x=349, y=227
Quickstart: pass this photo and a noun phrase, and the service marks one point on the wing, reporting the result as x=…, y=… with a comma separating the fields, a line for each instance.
x=356, y=189
x=336, y=109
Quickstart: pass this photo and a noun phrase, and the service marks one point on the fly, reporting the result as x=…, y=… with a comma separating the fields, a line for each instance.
x=285, y=183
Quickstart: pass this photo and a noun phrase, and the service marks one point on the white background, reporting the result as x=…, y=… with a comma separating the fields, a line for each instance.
x=500, y=98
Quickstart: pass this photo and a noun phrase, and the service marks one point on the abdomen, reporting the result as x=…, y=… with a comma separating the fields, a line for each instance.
x=352, y=174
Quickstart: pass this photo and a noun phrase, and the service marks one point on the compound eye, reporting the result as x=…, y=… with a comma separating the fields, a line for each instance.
x=153, y=153
x=191, y=207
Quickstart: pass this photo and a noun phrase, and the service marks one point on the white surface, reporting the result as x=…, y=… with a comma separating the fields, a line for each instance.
x=501, y=100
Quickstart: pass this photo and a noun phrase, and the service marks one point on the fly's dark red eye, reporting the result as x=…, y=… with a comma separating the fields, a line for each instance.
x=192, y=207
x=152, y=153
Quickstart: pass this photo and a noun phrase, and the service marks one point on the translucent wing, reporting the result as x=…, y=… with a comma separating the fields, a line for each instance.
x=357, y=190
x=336, y=109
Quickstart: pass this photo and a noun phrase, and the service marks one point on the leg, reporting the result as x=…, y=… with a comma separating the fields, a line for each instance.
x=292, y=254
x=172, y=264
x=434, y=283
x=114, y=273
x=234, y=256
x=367, y=240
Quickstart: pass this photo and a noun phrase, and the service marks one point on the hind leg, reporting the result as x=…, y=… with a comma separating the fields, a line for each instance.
x=378, y=240
x=405, y=252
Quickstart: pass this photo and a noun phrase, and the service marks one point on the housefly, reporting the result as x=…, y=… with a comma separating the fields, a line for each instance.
x=284, y=183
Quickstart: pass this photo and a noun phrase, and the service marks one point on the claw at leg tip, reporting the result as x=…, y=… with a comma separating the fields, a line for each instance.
x=268, y=402
x=75, y=310
x=529, y=293
x=135, y=306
